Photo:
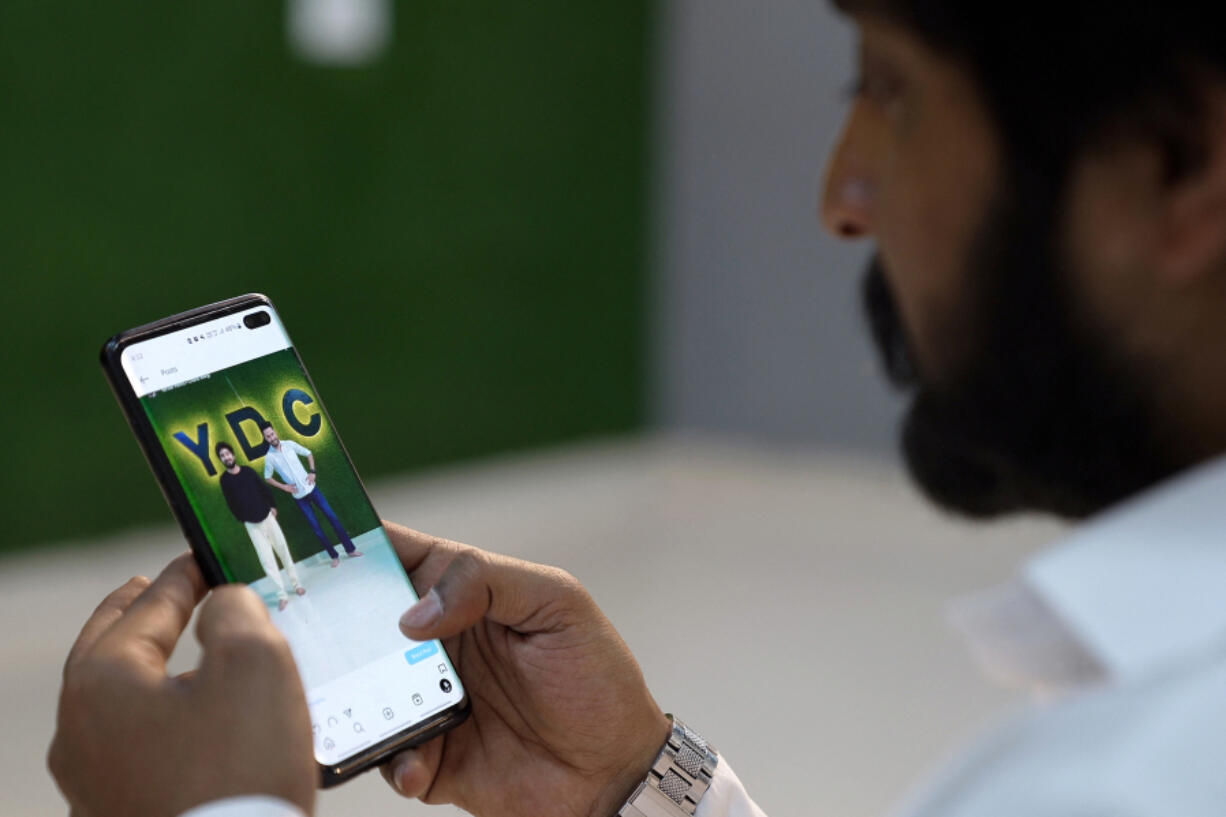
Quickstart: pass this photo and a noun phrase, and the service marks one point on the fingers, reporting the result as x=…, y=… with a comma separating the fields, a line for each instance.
x=104, y=616
x=234, y=628
x=156, y=618
x=232, y=611
x=424, y=556
x=523, y=596
x=472, y=584
x=413, y=547
x=411, y=773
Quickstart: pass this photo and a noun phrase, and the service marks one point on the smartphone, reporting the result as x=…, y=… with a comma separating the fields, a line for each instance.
x=255, y=473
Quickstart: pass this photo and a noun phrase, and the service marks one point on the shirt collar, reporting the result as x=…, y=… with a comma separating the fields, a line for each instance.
x=1134, y=588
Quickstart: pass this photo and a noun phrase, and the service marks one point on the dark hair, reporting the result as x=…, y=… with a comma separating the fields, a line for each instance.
x=217, y=448
x=1062, y=78
x=264, y=426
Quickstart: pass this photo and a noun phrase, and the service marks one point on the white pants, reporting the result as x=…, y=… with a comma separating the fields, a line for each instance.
x=267, y=537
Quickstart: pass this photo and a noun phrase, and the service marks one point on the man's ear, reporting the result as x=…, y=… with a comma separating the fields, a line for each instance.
x=1192, y=238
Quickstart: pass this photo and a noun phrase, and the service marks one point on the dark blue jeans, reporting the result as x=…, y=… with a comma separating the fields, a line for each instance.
x=318, y=499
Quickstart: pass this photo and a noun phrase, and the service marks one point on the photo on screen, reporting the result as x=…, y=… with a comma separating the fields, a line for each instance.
x=284, y=512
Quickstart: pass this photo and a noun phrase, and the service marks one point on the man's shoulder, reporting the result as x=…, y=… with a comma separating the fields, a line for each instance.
x=1168, y=722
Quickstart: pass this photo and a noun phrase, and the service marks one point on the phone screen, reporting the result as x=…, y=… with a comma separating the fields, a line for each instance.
x=284, y=512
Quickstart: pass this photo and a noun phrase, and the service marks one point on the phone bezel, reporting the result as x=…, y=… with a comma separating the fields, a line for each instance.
x=176, y=498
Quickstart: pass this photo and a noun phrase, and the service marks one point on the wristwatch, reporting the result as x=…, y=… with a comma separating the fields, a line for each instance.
x=678, y=779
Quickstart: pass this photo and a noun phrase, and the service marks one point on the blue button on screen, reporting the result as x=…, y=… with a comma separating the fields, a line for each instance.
x=421, y=652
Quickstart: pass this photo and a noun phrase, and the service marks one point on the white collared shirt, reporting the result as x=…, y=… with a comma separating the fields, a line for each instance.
x=1121, y=629
x=288, y=467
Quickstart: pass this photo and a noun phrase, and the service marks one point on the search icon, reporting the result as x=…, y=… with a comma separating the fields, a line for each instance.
x=357, y=727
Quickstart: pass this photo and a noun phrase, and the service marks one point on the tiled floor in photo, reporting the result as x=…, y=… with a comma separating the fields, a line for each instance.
x=348, y=616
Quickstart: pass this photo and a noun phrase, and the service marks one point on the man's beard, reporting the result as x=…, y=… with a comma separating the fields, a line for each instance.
x=1038, y=414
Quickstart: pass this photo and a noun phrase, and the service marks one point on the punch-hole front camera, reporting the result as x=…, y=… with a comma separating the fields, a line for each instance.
x=257, y=319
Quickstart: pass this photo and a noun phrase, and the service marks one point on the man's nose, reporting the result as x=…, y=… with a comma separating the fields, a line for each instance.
x=850, y=190
x=847, y=203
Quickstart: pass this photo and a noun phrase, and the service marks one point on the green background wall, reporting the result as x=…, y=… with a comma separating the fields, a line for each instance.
x=454, y=234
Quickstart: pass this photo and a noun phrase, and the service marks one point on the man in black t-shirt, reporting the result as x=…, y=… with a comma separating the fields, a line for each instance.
x=250, y=500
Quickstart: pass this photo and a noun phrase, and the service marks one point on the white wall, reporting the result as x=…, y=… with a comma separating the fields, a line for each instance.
x=758, y=327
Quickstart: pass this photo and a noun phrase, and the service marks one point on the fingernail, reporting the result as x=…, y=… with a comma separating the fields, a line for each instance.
x=426, y=612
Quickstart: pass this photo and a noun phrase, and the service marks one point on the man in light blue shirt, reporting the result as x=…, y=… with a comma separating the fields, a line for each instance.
x=283, y=459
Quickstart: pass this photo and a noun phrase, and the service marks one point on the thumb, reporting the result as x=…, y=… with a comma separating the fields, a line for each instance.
x=526, y=597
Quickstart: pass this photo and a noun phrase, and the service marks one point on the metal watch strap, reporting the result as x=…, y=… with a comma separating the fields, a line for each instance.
x=678, y=779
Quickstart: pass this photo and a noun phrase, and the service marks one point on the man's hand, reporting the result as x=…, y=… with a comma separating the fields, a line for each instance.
x=289, y=489
x=562, y=722
x=310, y=479
x=132, y=740
x=274, y=513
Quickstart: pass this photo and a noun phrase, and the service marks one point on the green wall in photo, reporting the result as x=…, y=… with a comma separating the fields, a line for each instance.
x=201, y=412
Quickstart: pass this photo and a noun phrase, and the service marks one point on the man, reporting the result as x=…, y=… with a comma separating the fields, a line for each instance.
x=251, y=502
x=1046, y=186
x=283, y=458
